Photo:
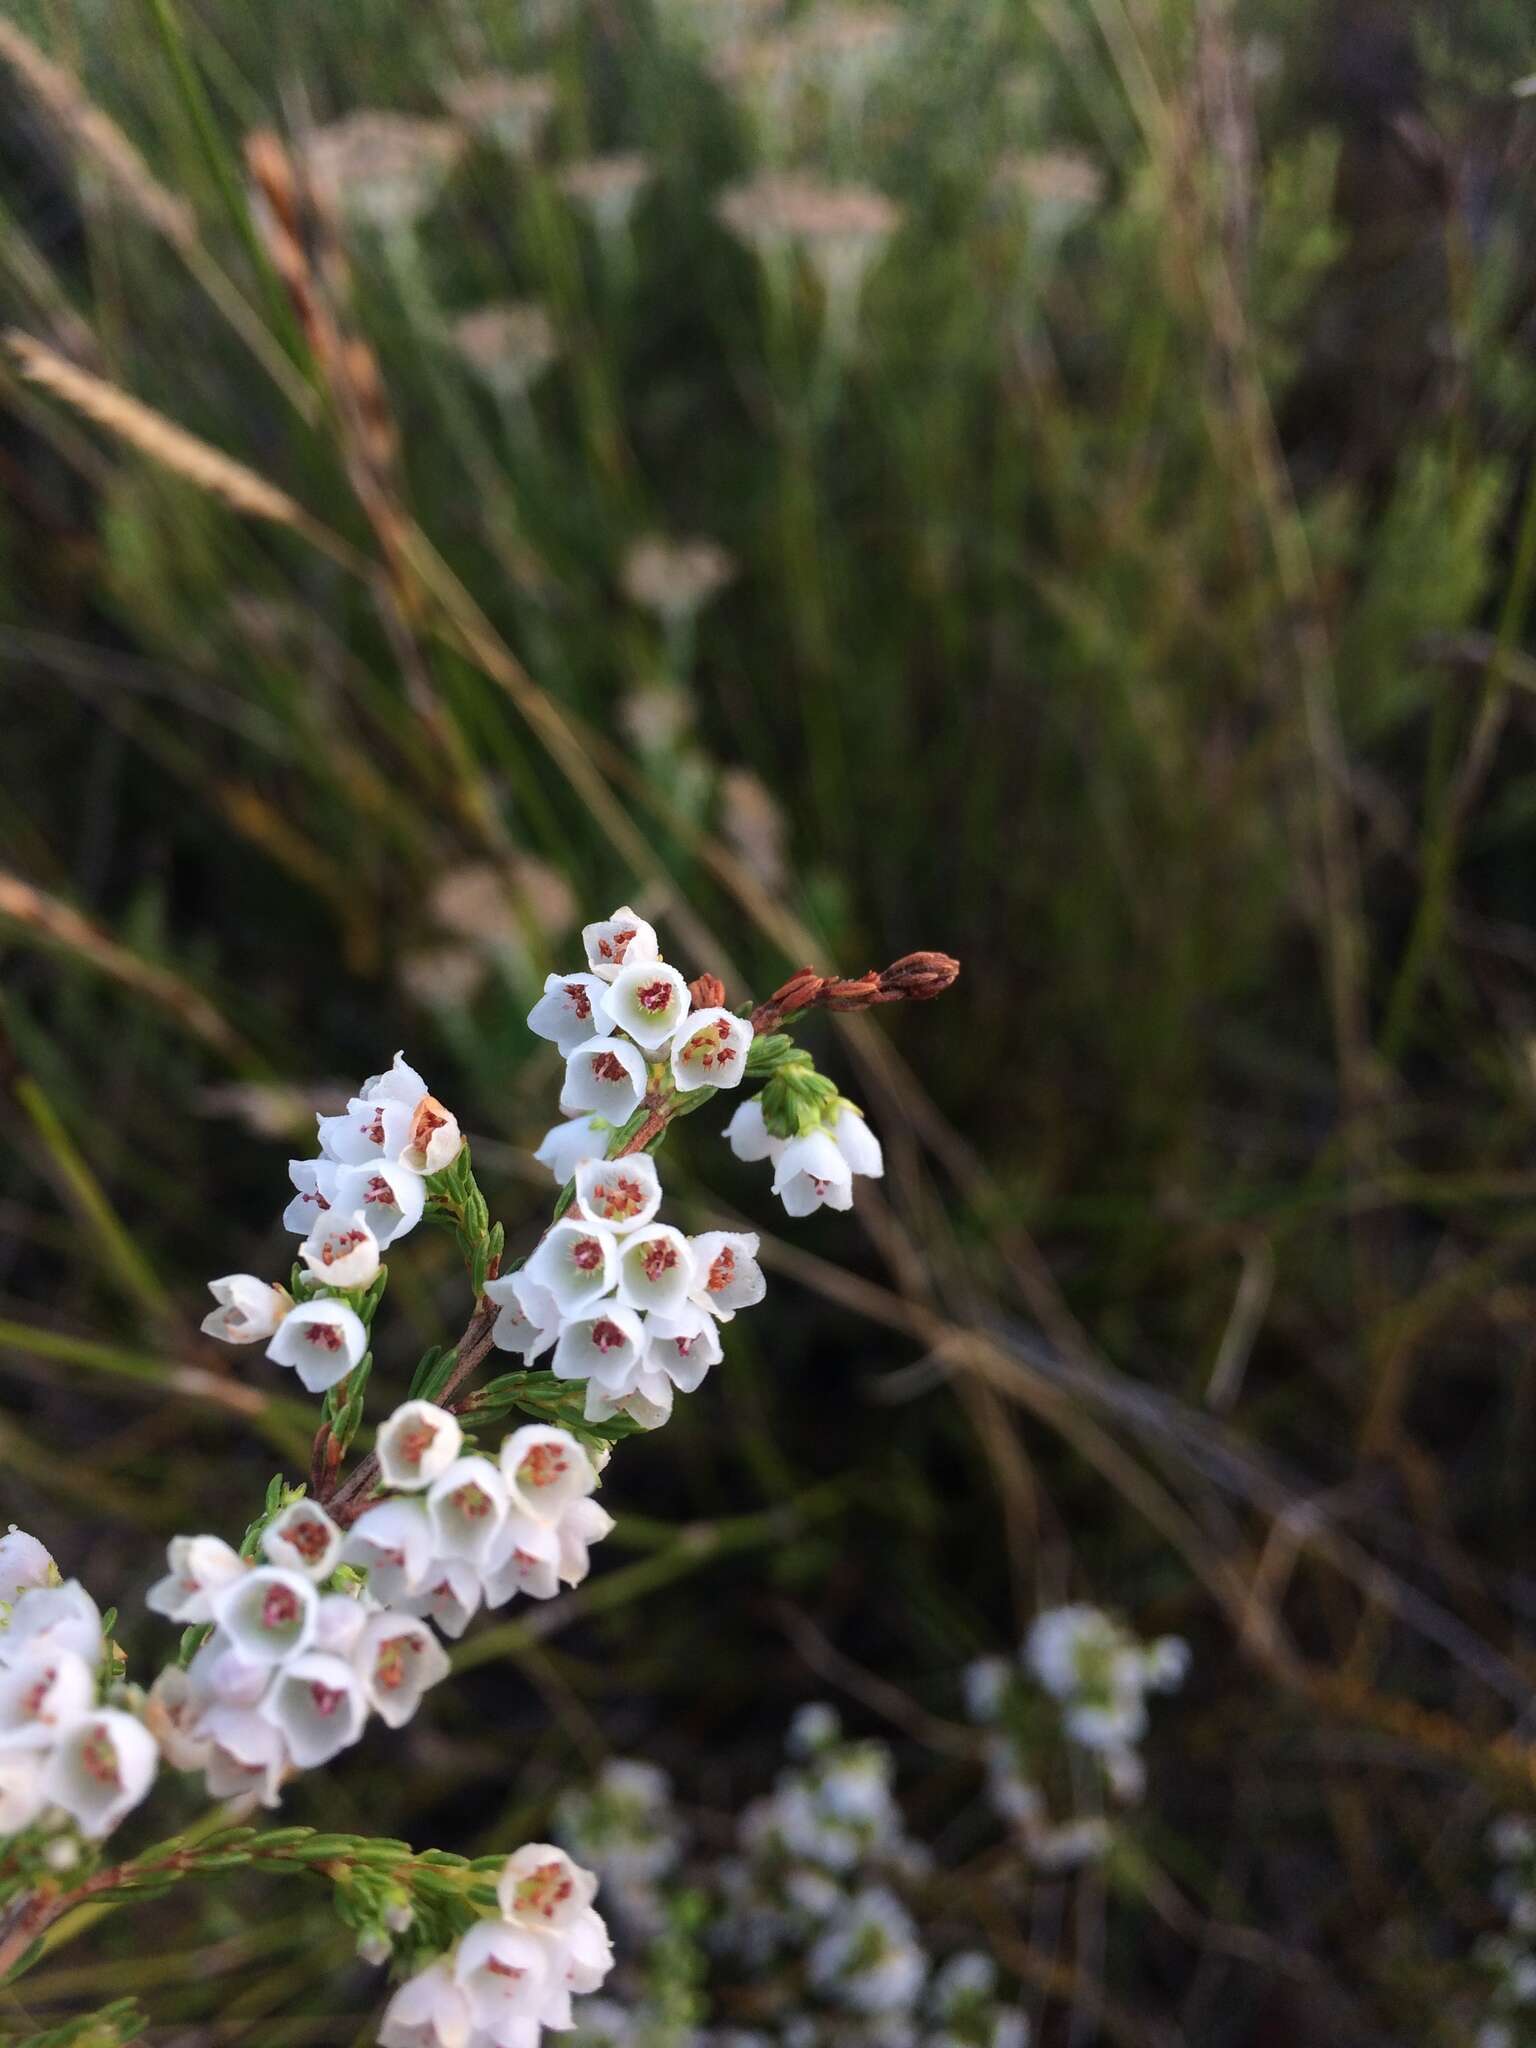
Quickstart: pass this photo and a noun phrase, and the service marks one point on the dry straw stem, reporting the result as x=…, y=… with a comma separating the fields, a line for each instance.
x=46, y=918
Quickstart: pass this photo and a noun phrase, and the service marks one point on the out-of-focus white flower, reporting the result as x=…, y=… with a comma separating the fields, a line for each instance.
x=644, y=1396
x=505, y=1973
x=812, y=1728
x=623, y=940
x=200, y=1567
x=545, y=1470
x=322, y=1340
x=509, y=344
x=726, y=1273
x=24, y=1564
x=811, y=1170
x=605, y=1344
x=649, y=1000
x=509, y=110
x=528, y=1318
x=340, y=1619
x=219, y=1672
x=268, y=1614
x=316, y=1704
x=656, y=1270
x=749, y=1136
x=449, y=1595
x=428, y=2011
x=303, y=1538
x=21, y=1790
x=466, y=1507
x=102, y=1765
x=711, y=1050
x=393, y=1542
x=418, y=1443
x=571, y=1011
x=39, y=1693
x=248, y=1311
x=1070, y=1846
x=381, y=169
x=171, y=1712
x=576, y=1262
x=53, y=1618
x=563, y=1148
x=540, y=1887
x=675, y=579
x=869, y=1959
x=984, y=1685
x=622, y=1194
x=683, y=1345
x=524, y=1559
x=246, y=1756
x=607, y=186
x=607, y=1077
x=398, y=1659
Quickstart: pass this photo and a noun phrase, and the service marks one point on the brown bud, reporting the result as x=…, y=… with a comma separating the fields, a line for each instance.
x=918, y=977
x=851, y=995
x=708, y=992
x=798, y=993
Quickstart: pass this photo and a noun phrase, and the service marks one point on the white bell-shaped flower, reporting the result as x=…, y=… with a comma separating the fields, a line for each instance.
x=528, y=1319
x=322, y=1340
x=247, y=1756
x=570, y=1010
x=248, y=1311
x=563, y=1148
x=39, y=1693
x=393, y=1544
x=856, y=1141
x=53, y=1618
x=219, y=1673
x=399, y=1084
x=540, y=1887
x=24, y=1563
x=317, y=1705
x=749, y=1136
x=583, y=1524
x=656, y=1269
x=605, y=1344
x=606, y=1077
x=576, y=1262
x=434, y=1139
x=711, y=1050
x=303, y=1538
x=387, y=1195
x=683, y=1345
x=399, y=1658
x=545, y=1470
x=200, y=1567
x=314, y=1191
x=171, y=1713
x=466, y=1507
x=525, y=1559
x=428, y=2011
x=811, y=1170
x=645, y=1397
x=341, y=1250
x=21, y=1790
x=268, y=1615
x=588, y=1951
x=365, y=1132
x=726, y=1273
x=504, y=1971
x=649, y=1001
x=101, y=1767
x=623, y=940
x=340, y=1619
x=449, y=1595
x=623, y=1194
x=417, y=1444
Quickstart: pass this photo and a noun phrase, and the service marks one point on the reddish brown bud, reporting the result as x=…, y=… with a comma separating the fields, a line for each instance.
x=798, y=993
x=918, y=977
x=708, y=992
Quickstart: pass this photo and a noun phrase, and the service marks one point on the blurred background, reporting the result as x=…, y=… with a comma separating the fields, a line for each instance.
x=1048, y=480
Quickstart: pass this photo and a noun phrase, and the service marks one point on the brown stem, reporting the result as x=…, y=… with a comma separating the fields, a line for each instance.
x=36, y=1914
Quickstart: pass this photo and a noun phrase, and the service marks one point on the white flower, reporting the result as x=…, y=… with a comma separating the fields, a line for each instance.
x=525, y=1558
x=418, y=1443
x=393, y=1543
x=322, y=1340
x=171, y=1712
x=577, y=1262
x=268, y=1615
x=649, y=1001
x=310, y=1198
x=394, y=1118
x=317, y=1705
x=683, y=1345
x=588, y=1954
x=870, y=1959
x=24, y=1563
x=541, y=1887
x=41, y=1691
x=814, y=1726
x=856, y=1141
x=398, y=1658
x=428, y=2011
x=528, y=1320
x=623, y=940
x=53, y=1618
x=247, y=1756
x=102, y=1766
x=985, y=1686
x=466, y=1507
x=1065, y=1643
x=1109, y=1724
x=248, y=1311
x=21, y=1790
x=341, y=1250
x=655, y=1269
x=504, y=1971
x=605, y=1344
x=810, y=1170
x=387, y=1195
x=712, y=1052
x=605, y=1076
x=570, y=1011
x=623, y=1194
x=563, y=1148
x=749, y=1136
x=726, y=1273
x=1166, y=1664
x=449, y=1595
x=583, y=1524
x=545, y=1470
x=645, y=1397
x=340, y=1619
x=200, y=1567
x=220, y=1673
x=303, y=1538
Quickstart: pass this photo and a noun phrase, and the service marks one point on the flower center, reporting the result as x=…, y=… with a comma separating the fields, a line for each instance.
x=392, y=1667
x=416, y=1439
x=607, y=1066
x=616, y=947
x=607, y=1337
x=326, y=1335
x=327, y=1698
x=543, y=1890
x=309, y=1539
x=580, y=1001
x=655, y=997
x=658, y=1259
x=587, y=1254
x=380, y=1192
x=616, y=1199
x=722, y=1272
x=336, y=1248
x=99, y=1758
x=279, y=1608
x=33, y=1700
x=543, y=1465
x=473, y=1501
x=374, y=1132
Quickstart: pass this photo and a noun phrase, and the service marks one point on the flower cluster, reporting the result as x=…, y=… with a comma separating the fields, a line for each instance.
x=1095, y=1677
x=625, y=1827
x=509, y=1976
x=1509, y=1959
x=68, y=1751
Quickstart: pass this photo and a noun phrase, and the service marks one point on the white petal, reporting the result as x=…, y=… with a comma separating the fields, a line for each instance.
x=545, y=1470
x=857, y=1142
x=649, y=1001
x=563, y=1148
x=623, y=940
x=570, y=1010
x=606, y=1076
x=466, y=1507
x=655, y=1268
x=749, y=1137
x=303, y=1538
x=322, y=1340
x=711, y=1051
x=576, y=1262
x=417, y=1444
x=624, y=1194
